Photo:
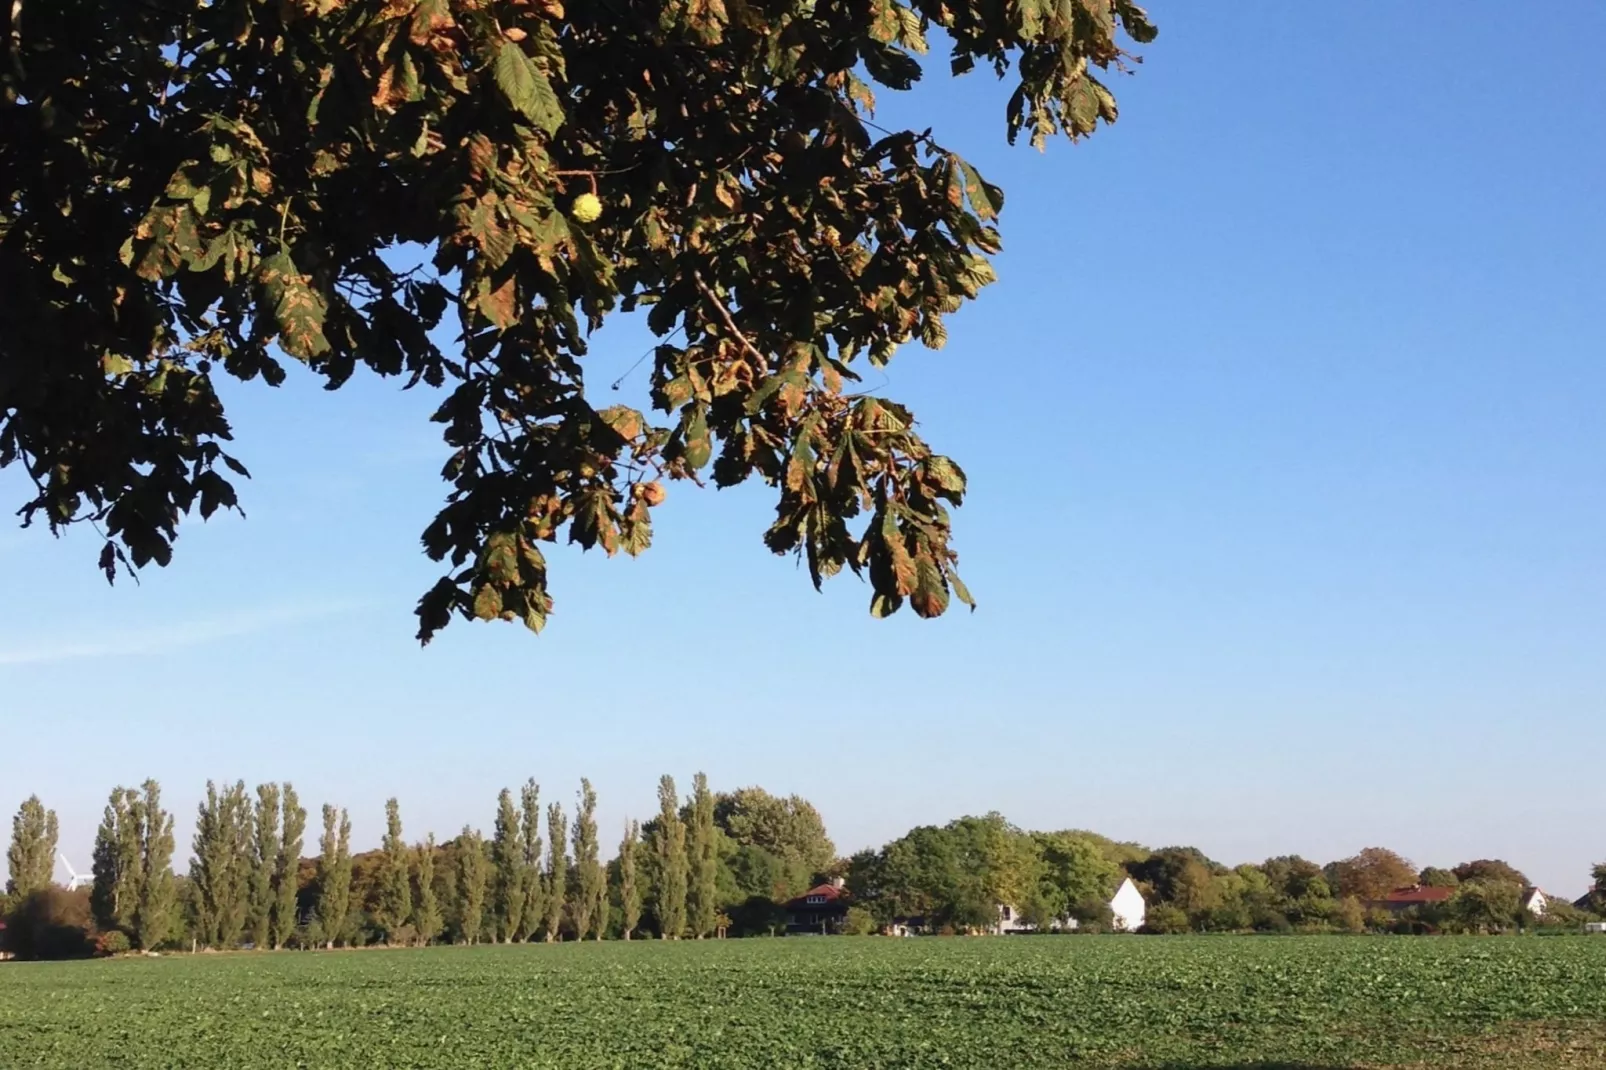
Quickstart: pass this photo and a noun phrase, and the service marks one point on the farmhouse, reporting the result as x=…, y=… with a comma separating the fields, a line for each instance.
x=818, y=910
x=1402, y=899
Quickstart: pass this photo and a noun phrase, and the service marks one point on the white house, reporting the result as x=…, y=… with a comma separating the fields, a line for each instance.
x=1127, y=910
x=1534, y=902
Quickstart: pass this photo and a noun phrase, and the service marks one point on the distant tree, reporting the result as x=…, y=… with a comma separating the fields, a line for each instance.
x=535, y=892
x=395, y=901
x=1491, y=869
x=1350, y=915
x=115, y=893
x=264, y=863
x=507, y=858
x=589, y=903
x=1077, y=876
x=789, y=828
x=669, y=857
x=32, y=855
x=156, y=902
x=1434, y=877
x=1166, y=918
x=702, y=902
x=1595, y=899
x=858, y=922
x=426, y=921
x=629, y=880
x=220, y=870
x=473, y=875
x=1371, y=874
x=334, y=875
x=1486, y=906
x=287, y=867
x=557, y=870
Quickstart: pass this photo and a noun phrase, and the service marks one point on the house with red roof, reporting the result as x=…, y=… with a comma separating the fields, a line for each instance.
x=819, y=910
x=1402, y=899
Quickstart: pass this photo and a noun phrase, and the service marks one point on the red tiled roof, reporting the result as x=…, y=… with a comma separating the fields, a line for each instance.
x=830, y=892
x=1406, y=896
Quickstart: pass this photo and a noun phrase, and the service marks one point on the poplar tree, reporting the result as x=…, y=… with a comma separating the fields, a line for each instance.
x=588, y=904
x=287, y=867
x=115, y=892
x=473, y=874
x=702, y=905
x=669, y=854
x=629, y=880
x=220, y=871
x=32, y=857
x=426, y=907
x=156, y=901
x=264, y=863
x=557, y=874
x=530, y=843
x=395, y=903
x=507, y=858
x=334, y=874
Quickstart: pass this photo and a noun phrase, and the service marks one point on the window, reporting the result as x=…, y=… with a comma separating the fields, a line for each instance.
x=815, y=900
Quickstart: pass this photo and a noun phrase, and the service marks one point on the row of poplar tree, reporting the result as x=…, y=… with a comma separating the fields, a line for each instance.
x=248, y=883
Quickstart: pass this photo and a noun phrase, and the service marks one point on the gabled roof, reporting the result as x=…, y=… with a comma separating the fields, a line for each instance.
x=829, y=893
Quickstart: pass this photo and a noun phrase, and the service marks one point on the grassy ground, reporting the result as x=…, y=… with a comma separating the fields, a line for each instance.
x=1174, y=1003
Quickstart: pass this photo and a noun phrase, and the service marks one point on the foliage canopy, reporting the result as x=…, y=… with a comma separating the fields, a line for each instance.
x=199, y=187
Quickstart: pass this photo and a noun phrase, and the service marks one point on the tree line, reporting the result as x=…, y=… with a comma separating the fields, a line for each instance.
x=700, y=866
x=708, y=864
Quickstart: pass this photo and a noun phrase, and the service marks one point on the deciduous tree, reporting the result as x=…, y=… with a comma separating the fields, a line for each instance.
x=426, y=906
x=220, y=872
x=669, y=863
x=198, y=188
x=156, y=903
x=589, y=906
x=32, y=855
x=790, y=829
x=115, y=892
x=702, y=885
x=1371, y=874
x=507, y=855
x=629, y=880
x=265, y=846
x=473, y=876
x=394, y=905
x=557, y=870
x=287, y=867
x=535, y=892
x=334, y=875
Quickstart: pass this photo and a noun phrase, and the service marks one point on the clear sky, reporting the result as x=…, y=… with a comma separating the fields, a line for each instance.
x=1288, y=519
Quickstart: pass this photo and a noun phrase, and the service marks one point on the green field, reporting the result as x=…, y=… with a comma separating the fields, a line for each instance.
x=1296, y=1002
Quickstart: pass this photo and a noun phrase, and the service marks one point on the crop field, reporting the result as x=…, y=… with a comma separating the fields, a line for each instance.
x=1297, y=1003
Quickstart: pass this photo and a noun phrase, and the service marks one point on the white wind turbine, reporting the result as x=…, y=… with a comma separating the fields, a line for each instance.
x=74, y=881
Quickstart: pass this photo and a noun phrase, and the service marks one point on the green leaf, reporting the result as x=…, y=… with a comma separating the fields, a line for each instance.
x=526, y=88
x=299, y=310
x=884, y=605
x=699, y=443
x=986, y=198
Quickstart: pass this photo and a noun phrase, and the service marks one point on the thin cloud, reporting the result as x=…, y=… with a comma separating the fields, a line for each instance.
x=172, y=637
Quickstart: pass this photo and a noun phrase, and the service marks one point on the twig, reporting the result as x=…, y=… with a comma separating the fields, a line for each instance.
x=725, y=314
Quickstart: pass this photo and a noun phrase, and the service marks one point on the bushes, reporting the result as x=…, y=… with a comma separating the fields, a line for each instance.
x=112, y=943
x=51, y=923
x=858, y=922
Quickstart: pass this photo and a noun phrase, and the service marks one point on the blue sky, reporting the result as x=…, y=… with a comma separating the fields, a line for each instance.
x=1284, y=429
